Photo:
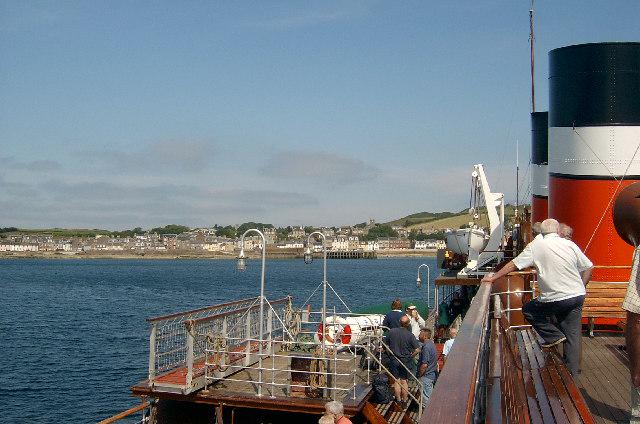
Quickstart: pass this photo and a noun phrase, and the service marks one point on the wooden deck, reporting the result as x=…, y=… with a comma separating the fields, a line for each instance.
x=605, y=381
x=240, y=390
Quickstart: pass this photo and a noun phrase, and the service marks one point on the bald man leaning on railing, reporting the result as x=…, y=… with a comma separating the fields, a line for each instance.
x=563, y=273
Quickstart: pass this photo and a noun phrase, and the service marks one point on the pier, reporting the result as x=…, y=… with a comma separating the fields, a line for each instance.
x=353, y=254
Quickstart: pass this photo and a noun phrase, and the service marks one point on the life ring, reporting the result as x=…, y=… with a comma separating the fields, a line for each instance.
x=337, y=328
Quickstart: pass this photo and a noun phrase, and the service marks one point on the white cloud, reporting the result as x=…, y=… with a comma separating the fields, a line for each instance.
x=110, y=205
x=40, y=165
x=322, y=168
x=156, y=158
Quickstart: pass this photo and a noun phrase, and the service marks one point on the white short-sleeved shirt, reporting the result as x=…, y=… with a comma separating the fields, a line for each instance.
x=559, y=263
x=447, y=346
x=533, y=242
x=416, y=325
x=632, y=299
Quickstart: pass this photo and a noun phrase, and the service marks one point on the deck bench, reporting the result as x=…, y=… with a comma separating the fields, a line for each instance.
x=529, y=384
x=604, y=300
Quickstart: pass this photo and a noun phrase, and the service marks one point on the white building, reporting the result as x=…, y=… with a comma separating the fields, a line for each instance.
x=291, y=244
x=429, y=244
x=8, y=246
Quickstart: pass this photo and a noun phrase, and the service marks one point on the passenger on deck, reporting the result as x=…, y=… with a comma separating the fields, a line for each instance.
x=336, y=409
x=415, y=319
x=537, y=236
x=440, y=333
x=453, y=332
x=457, y=305
x=404, y=346
x=631, y=304
x=563, y=273
x=427, y=364
x=535, y=229
x=566, y=232
x=392, y=319
x=326, y=419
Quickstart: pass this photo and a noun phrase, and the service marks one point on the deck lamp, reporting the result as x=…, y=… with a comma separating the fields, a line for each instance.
x=241, y=266
x=308, y=256
x=242, y=262
x=419, y=282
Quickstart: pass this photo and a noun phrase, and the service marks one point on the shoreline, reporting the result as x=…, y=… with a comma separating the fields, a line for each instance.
x=182, y=255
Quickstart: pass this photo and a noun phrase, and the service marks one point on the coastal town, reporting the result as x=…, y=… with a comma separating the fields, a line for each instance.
x=221, y=241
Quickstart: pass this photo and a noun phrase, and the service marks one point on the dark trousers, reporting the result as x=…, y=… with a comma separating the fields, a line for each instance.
x=567, y=314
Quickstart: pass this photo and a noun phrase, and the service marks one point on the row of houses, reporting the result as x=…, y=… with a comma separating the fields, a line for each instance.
x=201, y=241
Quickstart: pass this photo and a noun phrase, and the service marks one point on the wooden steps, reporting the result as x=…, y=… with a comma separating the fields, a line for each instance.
x=393, y=412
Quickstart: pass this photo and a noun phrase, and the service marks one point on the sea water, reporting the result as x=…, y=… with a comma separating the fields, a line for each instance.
x=73, y=335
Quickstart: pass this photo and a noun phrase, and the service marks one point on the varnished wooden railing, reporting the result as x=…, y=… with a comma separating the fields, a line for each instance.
x=125, y=414
x=459, y=394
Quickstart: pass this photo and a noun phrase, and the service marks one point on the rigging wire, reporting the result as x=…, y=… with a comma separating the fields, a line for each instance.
x=528, y=191
x=525, y=179
x=594, y=153
x=612, y=196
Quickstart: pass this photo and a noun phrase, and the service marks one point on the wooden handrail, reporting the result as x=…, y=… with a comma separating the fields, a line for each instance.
x=125, y=414
x=457, y=382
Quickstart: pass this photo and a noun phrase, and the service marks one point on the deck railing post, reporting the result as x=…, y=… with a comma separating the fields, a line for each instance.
x=248, y=336
x=435, y=289
x=190, y=343
x=335, y=359
x=270, y=330
x=224, y=327
x=152, y=352
x=355, y=367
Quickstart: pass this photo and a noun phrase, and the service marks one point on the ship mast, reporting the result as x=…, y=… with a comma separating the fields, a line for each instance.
x=531, y=43
x=517, y=177
x=533, y=97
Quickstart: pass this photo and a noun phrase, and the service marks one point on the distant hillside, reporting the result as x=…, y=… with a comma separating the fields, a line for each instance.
x=421, y=217
x=57, y=232
x=431, y=222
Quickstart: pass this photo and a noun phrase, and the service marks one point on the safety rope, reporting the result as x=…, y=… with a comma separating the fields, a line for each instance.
x=220, y=352
x=318, y=370
x=292, y=321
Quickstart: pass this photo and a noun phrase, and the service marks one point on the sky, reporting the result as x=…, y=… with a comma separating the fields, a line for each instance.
x=126, y=114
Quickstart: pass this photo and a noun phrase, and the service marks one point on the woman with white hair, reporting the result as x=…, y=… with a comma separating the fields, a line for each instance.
x=326, y=419
x=336, y=409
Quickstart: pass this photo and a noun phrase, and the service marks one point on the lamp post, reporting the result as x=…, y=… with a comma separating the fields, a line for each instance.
x=308, y=258
x=419, y=282
x=241, y=266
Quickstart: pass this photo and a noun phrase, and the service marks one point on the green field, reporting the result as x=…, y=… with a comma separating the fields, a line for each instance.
x=59, y=232
x=429, y=222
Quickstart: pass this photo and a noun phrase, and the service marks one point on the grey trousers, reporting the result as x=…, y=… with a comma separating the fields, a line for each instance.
x=568, y=314
x=635, y=405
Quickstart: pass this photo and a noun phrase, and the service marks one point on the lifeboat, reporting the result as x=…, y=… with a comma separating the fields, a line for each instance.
x=340, y=331
x=466, y=241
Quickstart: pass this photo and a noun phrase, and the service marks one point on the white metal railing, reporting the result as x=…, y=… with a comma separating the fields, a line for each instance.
x=335, y=369
x=168, y=335
x=204, y=346
x=174, y=345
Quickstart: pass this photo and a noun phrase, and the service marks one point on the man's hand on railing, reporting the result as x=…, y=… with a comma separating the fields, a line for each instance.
x=488, y=278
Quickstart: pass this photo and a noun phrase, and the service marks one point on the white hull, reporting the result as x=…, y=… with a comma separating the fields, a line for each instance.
x=466, y=241
x=348, y=331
